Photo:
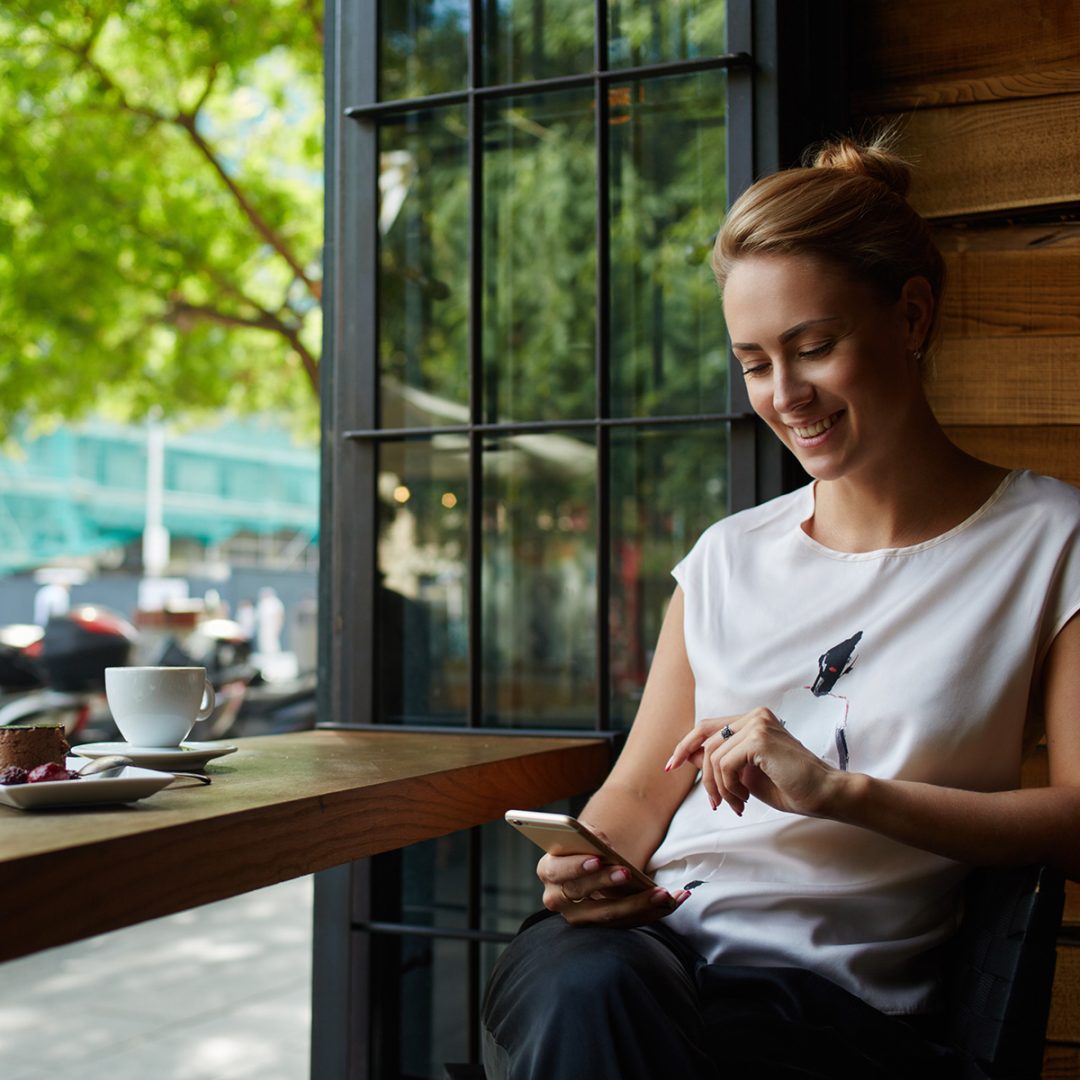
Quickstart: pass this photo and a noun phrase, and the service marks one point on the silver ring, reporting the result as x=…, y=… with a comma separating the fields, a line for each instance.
x=726, y=732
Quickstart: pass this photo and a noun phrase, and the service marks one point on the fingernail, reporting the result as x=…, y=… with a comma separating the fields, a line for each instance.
x=619, y=876
x=680, y=896
x=591, y=864
x=713, y=803
x=670, y=762
x=662, y=898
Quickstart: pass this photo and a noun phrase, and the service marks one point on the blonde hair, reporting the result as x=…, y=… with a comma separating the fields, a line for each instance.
x=847, y=205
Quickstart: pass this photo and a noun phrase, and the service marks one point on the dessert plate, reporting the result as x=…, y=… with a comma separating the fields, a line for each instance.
x=128, y=786
x=186, y=756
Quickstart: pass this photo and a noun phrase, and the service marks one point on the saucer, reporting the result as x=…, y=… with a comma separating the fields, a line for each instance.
x=186, y=756
x=128, y=786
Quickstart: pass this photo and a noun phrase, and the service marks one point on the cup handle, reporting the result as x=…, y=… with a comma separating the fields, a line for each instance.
x=209, y=702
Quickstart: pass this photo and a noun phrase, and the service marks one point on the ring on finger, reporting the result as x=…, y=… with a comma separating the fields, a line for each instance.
x=726, y=732
x=579, y=900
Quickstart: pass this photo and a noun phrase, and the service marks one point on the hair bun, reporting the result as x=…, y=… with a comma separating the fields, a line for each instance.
x=876, y=159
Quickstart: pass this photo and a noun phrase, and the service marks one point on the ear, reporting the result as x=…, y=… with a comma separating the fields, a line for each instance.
x=917, y=305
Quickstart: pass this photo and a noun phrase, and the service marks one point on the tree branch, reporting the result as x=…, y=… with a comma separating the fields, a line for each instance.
x=181, y=314
x=187, y=121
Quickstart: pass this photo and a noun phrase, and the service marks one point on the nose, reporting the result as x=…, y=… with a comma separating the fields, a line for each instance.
x=790, y=388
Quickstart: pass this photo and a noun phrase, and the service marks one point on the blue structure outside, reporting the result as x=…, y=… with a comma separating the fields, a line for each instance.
x=82, y=488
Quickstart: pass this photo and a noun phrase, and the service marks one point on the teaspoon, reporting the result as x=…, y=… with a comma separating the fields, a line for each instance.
x=114, y=763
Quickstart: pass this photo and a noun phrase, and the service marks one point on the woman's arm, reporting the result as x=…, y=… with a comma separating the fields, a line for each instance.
x=999, y=828
x=759, y=758
x=636, y=802
x=633, y=807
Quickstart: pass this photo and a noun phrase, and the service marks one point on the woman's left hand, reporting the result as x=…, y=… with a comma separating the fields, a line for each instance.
x=755, y=754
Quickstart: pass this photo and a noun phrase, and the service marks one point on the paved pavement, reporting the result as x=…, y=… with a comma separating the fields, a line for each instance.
x=221, y=992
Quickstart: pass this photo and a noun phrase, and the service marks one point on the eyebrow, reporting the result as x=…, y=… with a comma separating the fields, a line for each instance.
x=787, y=335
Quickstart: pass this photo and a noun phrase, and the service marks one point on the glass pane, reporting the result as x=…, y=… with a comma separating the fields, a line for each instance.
x=539, y=258
x=423, y=276
x=656, y=31
x=537, y=39
x=668, y=192
x=538, y=583
x=421, y=627
x=667, y=486
x=435, y=882
x=431, y=1012
x=423, y=47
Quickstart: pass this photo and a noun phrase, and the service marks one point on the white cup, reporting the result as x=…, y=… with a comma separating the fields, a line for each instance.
x=158, y=706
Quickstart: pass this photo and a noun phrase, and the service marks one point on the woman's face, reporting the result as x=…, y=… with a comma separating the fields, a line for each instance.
x=828, y=366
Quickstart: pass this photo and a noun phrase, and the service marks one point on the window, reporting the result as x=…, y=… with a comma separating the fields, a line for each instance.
x=528, y=417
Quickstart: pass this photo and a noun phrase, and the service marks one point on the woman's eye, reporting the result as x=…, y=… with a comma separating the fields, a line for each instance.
x=817, y=350
x=756, y=369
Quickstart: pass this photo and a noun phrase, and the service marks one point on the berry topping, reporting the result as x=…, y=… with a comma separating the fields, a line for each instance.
x=51, y=771
x=13, y=774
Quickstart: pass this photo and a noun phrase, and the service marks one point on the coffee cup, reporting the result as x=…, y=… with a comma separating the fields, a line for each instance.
x=158, y=706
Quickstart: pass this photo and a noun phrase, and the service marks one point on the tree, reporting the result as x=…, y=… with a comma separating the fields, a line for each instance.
x=160, y=206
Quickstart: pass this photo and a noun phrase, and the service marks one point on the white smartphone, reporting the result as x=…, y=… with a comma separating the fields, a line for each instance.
x=560, y=834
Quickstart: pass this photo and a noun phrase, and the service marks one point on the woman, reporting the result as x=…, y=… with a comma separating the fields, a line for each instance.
x=845, y=684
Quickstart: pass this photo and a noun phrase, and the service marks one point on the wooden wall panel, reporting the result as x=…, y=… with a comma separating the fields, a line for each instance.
x=1000, y=381
x=989, y=294
x=924, y=52
x=1061, y=1062
x=1054, y=451
x=1064, y=1025
x=997, y=156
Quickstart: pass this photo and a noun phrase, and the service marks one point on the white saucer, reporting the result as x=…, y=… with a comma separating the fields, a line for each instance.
x=186, y=756
x=128, y=786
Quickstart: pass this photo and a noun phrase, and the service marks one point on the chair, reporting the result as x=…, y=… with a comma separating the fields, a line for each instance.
x=1001, y=973
x=1002, y=970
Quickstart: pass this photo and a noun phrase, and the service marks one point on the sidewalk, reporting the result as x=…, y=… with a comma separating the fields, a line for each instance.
x=221, y=992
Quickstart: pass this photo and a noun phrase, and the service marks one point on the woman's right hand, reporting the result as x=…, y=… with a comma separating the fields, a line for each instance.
x=588, y=892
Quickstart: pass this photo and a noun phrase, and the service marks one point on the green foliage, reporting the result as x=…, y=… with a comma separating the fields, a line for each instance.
x=160, y=206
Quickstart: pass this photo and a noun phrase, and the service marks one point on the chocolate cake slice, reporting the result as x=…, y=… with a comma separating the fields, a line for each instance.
x=30, y=745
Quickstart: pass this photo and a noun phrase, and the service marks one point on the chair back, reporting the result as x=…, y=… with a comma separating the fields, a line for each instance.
x=1002, y=969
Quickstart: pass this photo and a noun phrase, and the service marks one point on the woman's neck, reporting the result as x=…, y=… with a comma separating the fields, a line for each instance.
x=914, y=500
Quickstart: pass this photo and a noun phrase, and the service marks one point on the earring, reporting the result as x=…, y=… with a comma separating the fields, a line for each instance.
x=918, y=356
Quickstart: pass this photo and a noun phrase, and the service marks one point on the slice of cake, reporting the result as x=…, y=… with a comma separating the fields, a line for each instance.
x=31, y=745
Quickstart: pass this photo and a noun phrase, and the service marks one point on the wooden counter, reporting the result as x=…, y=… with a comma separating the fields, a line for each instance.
x=281, y=807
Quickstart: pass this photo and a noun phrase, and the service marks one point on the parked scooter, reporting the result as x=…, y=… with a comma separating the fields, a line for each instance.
x=67, y=662
x=20, y=648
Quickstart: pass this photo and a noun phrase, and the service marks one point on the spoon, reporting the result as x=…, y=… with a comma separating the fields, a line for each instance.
x=114, y=763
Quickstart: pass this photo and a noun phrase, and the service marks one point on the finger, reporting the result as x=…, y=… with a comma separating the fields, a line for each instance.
x=727, y=769
x=637, y=910
x=577, y=886
x=555, y=869
x=708, y=777
x=687, y=746
x=724, y=759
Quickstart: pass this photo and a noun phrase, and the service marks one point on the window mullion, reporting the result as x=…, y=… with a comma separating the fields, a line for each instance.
x=603, y=395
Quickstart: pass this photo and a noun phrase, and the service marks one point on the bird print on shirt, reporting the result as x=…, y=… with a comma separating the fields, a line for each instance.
x=819, y=719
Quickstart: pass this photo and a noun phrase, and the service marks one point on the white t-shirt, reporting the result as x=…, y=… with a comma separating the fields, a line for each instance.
x=915, y=663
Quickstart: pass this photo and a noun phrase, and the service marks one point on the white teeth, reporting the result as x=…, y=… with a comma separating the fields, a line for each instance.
x=815, y=429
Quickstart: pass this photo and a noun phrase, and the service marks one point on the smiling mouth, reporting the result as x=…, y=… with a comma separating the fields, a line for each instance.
x=817, y=428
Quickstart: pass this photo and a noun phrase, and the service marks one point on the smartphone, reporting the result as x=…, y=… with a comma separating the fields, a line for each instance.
x=560, y=834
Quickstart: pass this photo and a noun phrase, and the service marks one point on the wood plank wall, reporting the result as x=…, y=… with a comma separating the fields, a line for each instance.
x=989, y=93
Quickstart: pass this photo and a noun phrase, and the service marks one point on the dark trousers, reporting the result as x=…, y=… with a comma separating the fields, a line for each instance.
x=570, y=1003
